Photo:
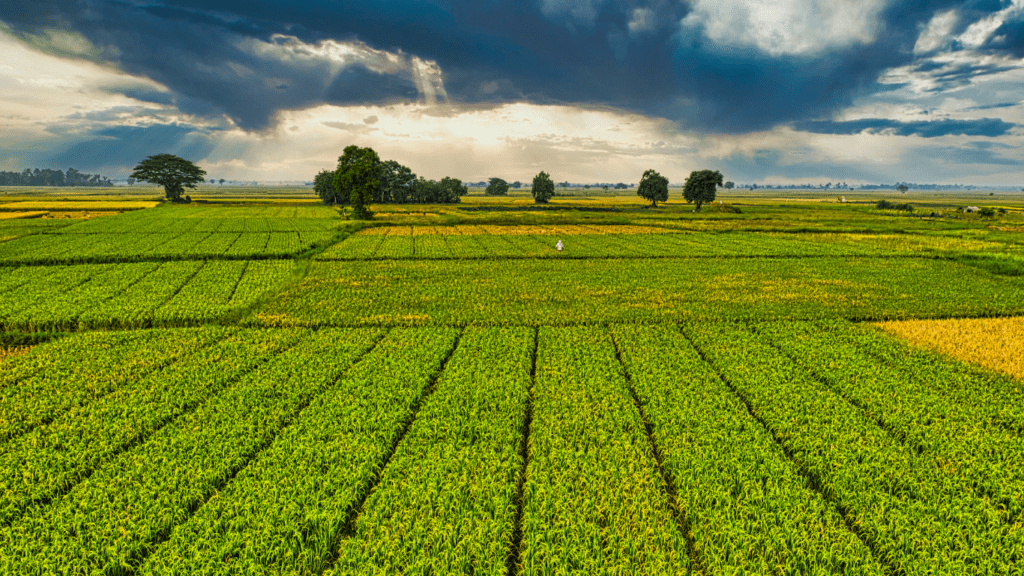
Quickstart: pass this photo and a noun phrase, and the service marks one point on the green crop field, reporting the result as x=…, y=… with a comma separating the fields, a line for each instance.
x=254, y=384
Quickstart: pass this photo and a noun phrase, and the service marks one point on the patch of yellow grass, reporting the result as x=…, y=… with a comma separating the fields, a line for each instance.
x=12, y=352
x=17, y=215
x=995, y=343
x=87, y=205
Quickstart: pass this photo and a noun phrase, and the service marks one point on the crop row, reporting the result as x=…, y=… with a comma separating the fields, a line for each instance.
x=718, y=448
x=446, y=504
x=287, y=511
x=593, y=499
x=515, y=230
x=90, y=367
x=545, y=292
x=585, y=245
x=74, y=248
x=968, y=424
x=133, y=295
x=731, y=478
x=53, y=457
x=917, y=512
x=110, y=521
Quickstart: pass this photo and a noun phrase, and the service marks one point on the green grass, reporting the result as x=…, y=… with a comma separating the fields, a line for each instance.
x=248, y=385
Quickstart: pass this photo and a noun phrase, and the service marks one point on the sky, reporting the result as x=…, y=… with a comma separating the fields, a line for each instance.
x=771, y=92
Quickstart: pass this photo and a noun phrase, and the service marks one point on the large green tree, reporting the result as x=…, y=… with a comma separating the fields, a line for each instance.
x=396, y=182
x=653, y=187
x=543, y=188
x=323, y=185
x=358, y=179
x=700, y=187
x=496, y=187
x=173, y=173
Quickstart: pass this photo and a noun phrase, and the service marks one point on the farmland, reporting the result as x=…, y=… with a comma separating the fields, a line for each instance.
x=258, y=385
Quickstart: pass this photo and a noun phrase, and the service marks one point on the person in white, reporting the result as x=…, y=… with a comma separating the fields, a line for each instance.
x=558, y=246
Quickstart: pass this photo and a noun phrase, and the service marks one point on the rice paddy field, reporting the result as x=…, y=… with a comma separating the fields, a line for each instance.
x=253, y=384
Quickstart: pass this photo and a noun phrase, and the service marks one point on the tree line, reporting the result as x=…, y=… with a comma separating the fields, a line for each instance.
x=48, y=177
x=362, y=178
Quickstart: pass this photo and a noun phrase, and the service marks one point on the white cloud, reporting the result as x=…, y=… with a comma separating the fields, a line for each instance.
x=335, y=57
x=780, y=27
x=937, y=33
x=979, y=32
x=642, y=21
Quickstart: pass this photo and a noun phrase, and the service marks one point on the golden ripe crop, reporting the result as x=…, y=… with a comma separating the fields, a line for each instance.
x=996, y=343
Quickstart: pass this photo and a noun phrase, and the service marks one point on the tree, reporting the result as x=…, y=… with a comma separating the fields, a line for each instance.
x=173, y=173
x=543, y=188
x=323, y=185
x=902, y=188
x=653, y=187
x=700, y=187
x=396, y=183
x=729, y=185
x=517, y=185
x=452, y=190
x=221, y=181
x=358, y=179
x=496, y=187
x=131, y=181
x=621, y=186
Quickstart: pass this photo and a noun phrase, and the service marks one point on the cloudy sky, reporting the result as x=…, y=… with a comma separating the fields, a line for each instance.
x=770, y=91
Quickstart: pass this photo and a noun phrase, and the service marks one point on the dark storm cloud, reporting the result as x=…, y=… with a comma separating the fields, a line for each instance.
x=546, y=51
x=978, y=153
x=990, y=127
x=120, y=146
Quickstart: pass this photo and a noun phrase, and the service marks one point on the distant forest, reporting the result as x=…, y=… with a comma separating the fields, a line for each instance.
x=47, y=177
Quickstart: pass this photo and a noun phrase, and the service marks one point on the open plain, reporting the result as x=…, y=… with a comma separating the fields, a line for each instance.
x=780, y=383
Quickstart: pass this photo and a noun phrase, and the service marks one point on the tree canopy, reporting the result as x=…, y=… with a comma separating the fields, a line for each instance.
x=543, y=188
x=382, y=183
x=323, y=185
x=447, y=191
x=700, y=186
x=396, y=183
x=653, y=187
x=496, y=187
x=173, y=173
x=358, y=179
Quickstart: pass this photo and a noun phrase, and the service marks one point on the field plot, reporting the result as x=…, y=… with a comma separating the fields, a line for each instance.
x=133, y=295
x=128, y=247
x=595, y=291
x=265, y=388
x=610, y=241
x=704, y=448
x=214, y=218
x=171, y=233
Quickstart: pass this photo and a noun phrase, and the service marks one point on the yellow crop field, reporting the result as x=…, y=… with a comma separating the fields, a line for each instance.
x=84, y=205
x=17, y=215
x=996, y=343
